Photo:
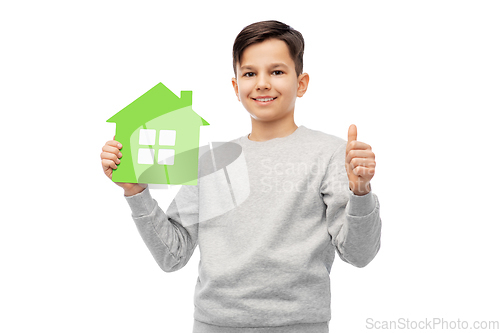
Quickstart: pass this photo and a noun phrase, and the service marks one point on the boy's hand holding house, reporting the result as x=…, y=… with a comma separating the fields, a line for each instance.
x=110, y=157
x=359, y=163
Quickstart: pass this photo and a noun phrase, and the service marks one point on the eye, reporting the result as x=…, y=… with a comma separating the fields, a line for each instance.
x=249, y=74
x=278, y=72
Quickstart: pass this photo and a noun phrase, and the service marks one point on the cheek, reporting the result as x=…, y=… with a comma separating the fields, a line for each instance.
x=286, y=88
x=244, y=89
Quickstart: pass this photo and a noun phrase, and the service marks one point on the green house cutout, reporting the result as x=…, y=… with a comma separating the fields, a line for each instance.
x=160, y=135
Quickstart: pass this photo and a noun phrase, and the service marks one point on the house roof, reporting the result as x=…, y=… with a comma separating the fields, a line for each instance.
x=157, y=101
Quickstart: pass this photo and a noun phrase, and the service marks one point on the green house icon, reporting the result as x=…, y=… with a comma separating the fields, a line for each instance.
x=160, y=135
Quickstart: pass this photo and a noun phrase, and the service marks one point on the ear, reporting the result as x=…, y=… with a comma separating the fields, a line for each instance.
x=303, y=83
x=235, y=87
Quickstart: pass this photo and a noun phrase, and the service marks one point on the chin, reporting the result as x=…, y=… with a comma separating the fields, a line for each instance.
x=266, y=119
x=264, y=116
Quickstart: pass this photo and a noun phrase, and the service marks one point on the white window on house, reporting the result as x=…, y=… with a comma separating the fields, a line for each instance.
x=167, y=138
x=147, y=137
x=166, y=156
x=146, y=156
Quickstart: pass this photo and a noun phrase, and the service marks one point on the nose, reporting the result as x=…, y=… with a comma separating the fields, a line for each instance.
x=263, y=83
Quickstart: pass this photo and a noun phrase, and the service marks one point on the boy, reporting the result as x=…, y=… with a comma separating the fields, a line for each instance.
x=264, y=265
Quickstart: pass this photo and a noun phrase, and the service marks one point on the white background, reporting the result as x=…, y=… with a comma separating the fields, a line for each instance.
x=420, y=79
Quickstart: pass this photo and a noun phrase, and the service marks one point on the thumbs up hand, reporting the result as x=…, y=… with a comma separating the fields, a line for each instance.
x=359, y=163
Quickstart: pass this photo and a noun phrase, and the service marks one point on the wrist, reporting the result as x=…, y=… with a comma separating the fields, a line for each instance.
x=361, y=192
x=133, y=190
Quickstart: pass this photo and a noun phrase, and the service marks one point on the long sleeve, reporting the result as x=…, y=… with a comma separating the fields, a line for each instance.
x=171, y=237
x=353, y=221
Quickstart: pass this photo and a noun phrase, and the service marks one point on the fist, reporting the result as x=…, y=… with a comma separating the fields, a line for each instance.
x=359, y=163
x=110, y=157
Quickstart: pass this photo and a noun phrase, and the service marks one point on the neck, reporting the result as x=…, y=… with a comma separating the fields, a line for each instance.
x=264, y=131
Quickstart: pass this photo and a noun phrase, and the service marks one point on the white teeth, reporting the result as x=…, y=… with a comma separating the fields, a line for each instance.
x=264, y=99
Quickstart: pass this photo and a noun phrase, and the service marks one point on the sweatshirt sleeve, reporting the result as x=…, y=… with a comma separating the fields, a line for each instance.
x=170, y=236
x=353, y=221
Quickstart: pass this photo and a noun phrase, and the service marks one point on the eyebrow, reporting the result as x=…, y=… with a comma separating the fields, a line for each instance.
x=272, y=66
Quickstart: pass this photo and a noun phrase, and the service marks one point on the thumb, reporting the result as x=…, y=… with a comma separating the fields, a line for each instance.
x=352, y=134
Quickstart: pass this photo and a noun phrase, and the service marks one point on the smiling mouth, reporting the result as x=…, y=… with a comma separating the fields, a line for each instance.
x=265, y=99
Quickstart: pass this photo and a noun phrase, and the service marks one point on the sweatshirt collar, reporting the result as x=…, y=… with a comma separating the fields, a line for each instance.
x=246, y=141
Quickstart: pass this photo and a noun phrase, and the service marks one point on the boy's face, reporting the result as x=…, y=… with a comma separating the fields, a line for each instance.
x=266, y=82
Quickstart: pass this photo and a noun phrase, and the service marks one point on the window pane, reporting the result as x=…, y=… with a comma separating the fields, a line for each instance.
x=146, y=156
x=166, y=156
x=167, y=138
x=147, y=137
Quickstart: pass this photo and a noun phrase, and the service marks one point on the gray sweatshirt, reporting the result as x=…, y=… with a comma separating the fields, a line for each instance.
x=265, y=263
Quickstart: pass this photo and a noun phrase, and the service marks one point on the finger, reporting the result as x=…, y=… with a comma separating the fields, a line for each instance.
x=364, y=172
x=114, y=143
x=113, y=150
x=106, y=164
x=366, y=162
x=110, y=156
x=357, y=145
x=359, y=153
x=352, y=134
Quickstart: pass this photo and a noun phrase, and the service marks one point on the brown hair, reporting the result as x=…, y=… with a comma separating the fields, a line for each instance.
x=261, y=31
